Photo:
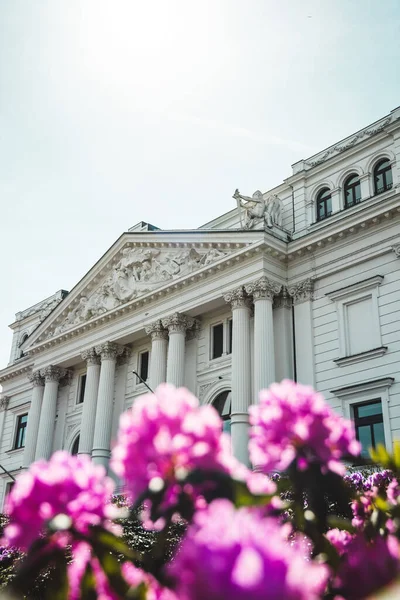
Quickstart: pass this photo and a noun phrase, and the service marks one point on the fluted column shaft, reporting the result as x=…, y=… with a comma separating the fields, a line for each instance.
x=159, y=349
x=176, y=325
x=44, y=446
x=89, y=401
x=241, y=372
x=263, y=291
x=108, y=353
x=32, y=426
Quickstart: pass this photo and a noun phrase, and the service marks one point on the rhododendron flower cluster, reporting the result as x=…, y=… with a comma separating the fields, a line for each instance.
x=239, y=555
x=293, y=421
x=68, y=485
x=154, y=591
x=166, y=434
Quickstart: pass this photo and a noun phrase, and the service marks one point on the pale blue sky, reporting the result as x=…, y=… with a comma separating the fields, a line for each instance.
x=112, y=112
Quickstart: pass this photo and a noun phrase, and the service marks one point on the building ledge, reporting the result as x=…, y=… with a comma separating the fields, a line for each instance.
x=13, y=451
x=361, y=356
x=366, y=386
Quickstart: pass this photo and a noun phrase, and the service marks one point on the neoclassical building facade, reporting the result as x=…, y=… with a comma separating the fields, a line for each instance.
x=301, y=282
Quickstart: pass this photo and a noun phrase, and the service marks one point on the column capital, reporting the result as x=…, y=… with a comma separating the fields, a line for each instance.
x=123, y=358
x=4, y=402
x=90, y=356
x=157, y=331
x=36, y=378
x=238, y=298
x=263, y=288
x=52, y=373
x=396, y=250
x=302, y=291
x=109, y=350
x=178, y=323
x=283, y=299
x=194, y=332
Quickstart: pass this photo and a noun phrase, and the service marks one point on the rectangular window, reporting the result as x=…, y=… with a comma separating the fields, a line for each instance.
x=368, y=422
x=144, y=365
x=217, y=340
x=230, y=326
x=20, y=433
x=81, y=389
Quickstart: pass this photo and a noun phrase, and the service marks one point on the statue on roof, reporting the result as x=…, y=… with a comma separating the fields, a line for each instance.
x=259, y=209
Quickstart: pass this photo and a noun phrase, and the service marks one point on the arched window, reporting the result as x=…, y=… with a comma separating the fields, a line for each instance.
x=22, y=341
x=352, y=191
x=75, y=446
x=324, y=204
x=222, y=404
x=383, y=179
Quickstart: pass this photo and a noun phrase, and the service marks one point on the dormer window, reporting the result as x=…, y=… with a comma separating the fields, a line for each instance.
x=324, y=204
x=383, y=179
x=352, y=191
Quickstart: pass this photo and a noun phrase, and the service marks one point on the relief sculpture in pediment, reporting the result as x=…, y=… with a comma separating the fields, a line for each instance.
x=140, y=270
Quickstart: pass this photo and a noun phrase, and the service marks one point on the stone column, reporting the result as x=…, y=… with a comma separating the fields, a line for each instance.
x=263, y=291
x=241, y=371
x=283, y=336
x=32, y=426
x=52, y=376
x=177, y=324
x=108, y=353
x=158, y=358
x=302, y=294
x=89, y=401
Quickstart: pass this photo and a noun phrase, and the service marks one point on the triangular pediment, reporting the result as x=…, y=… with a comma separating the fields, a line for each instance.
x=134, y=267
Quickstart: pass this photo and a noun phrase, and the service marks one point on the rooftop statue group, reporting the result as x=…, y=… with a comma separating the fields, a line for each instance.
x=260, y=210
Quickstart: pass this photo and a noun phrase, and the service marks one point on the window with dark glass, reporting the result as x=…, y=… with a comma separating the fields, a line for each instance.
x=368, y=422
x=324, y=204
x=230, y=327
x=21, y=430
x=352, y=191
x=222, y=404
x=217, y=340
x=383, y=179
x=75, y=447
x=81, y=390
x=144, y=365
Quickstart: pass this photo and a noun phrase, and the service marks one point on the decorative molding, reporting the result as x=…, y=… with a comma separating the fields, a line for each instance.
x=11, y=372
x=156, y=331
x=52, y=373
x=360, y=388
x=204, y=387
x=360, y=357
x=90, y=356
x=303, y=291
x=238, y=298
x=283, y=299
x=194, y=332
x=396, y=250
x=263, y=288
x=36, y=379
x=348, y=143
x=44, y=308
x=178, y=323
x=355, y=288
x=109, y=350
x=4, y=402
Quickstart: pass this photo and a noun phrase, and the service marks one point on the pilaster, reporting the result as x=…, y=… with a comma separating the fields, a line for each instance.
x=303, y=295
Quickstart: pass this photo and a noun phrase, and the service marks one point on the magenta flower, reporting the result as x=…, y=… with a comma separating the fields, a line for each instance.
x=83, y=557
x=165, y=435
x=340, y=539
x=293, y=421
x=367, y=566
x=67, y=485
x=239, y=555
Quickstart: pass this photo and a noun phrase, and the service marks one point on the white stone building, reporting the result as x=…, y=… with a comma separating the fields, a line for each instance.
x=304, y=282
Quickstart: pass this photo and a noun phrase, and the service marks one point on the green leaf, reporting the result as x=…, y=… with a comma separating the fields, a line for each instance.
x=108, y=541
x=244, y=497
x=339, y=523
x=380, y=455
x=88, y=584
x=396, y=454
x=57, y=588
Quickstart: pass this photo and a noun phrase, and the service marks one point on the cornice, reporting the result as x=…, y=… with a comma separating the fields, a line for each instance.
x=13, y=371
x=368, y=214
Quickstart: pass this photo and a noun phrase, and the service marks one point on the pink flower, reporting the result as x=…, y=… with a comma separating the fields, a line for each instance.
x=340, y=539
x=154, y=591
x=293, y=421
x=367, y=566
x=83, y=557
x=68, y=485
x=239, y=555
x=165, y=435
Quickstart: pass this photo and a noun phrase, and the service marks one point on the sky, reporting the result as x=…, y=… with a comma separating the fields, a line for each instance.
x=117, y=111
